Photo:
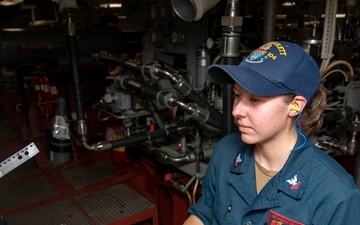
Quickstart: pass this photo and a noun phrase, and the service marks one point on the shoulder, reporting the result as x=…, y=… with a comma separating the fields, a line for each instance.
x=329, y=170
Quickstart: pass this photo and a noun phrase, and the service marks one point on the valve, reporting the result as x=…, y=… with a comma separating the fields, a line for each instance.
x=168, y=178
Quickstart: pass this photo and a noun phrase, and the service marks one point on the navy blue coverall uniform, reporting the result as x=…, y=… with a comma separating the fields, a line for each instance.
x=311, y=188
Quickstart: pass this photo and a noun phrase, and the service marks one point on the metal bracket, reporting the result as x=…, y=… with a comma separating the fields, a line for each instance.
x=18, y=158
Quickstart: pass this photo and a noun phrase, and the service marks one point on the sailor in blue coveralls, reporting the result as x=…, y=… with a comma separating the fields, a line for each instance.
x=269, y=173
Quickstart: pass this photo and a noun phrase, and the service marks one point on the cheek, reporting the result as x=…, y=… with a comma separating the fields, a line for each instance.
x=271, y=118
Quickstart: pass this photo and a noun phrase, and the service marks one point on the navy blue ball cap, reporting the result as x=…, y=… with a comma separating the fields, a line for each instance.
x=275, y=68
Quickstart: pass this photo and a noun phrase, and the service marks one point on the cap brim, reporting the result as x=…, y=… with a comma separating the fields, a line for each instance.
x=250, y=80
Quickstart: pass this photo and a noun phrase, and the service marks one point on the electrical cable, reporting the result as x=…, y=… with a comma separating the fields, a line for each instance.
x=299, y=132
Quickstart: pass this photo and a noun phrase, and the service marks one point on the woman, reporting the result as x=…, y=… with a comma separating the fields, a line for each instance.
x=269, y=173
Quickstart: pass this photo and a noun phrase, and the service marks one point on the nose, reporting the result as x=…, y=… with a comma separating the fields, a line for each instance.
x=238, y=109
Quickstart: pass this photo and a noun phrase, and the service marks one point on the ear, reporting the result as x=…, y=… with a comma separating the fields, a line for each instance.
x=297, y=105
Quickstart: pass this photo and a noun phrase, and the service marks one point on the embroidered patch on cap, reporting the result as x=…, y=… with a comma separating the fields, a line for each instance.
x=263, y=53
x=294, y=183
x=275, y=218
x=237, y=160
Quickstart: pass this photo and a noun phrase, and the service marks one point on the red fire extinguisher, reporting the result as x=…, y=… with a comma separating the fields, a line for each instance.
x=43, y=100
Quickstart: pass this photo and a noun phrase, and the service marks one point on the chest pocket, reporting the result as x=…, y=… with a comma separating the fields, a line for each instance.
x=223, y=214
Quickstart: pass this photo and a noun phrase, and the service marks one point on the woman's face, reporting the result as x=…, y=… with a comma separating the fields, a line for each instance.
x=260, y=119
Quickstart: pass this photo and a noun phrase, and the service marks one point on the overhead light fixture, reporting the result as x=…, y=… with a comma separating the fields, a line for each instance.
x=110, y=5
x=288, y=4
x=10, y=2
x=338, y=15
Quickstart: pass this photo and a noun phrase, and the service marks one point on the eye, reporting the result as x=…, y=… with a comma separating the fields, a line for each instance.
x=237, y=95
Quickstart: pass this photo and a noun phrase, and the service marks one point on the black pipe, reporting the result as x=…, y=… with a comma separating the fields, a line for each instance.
x=214, y=123
x=104, y=58
x=145, y=90
x=339, y=115
x=144, y=137
x=20, y=76
x=73, y=56
x=228, y=100
x=270, y=20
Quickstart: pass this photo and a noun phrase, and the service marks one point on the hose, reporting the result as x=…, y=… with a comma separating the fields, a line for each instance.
x=144, y=137
x=102, y=57
x=169, y=100
x=151, y=70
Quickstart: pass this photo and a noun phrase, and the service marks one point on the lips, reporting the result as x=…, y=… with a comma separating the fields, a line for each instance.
x=243, y=128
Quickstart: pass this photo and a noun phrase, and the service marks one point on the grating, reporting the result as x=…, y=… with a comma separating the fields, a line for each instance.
x=85, y=175
x=24, y=191
x=59, y=213
x=113, y=203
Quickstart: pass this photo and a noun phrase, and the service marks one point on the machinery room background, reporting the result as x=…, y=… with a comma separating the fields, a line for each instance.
x=125, y=80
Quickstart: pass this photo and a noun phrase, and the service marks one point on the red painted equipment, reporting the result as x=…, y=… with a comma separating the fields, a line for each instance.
x=43, y=98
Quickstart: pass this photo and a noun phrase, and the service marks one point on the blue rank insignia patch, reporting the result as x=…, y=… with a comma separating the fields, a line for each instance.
x=294, y=183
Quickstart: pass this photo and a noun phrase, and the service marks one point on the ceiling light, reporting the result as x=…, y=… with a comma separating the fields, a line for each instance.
x=110, y=5
x=10, y=2
x=288, y=4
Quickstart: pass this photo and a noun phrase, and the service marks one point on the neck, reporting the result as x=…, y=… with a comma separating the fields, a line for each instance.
x=273, y=155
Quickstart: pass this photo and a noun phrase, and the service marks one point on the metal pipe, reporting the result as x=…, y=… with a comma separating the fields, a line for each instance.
x=144, y=137
x=103, y=57
x=189, y=197
x=230, y=51
x=154, y=71
x=150, y=106
x=270, y=20
x=188, y=157
x=170, y=100
x=192, y=10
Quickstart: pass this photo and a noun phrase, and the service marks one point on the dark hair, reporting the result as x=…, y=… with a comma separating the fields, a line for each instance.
x=312, y=115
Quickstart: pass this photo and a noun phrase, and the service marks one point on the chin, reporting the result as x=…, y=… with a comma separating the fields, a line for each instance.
x=247, y=139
